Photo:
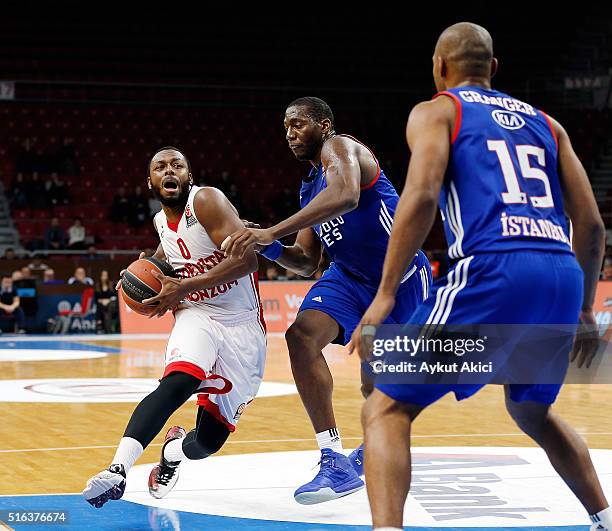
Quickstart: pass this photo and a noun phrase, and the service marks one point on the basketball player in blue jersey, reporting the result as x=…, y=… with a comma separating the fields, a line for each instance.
x=347, y=207
x=503, y=172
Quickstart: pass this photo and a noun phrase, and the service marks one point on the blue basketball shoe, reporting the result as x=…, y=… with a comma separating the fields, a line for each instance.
x=356, y=459
x=336, y=478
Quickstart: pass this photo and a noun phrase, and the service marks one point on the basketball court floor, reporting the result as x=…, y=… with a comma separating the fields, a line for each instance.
x=65, y=402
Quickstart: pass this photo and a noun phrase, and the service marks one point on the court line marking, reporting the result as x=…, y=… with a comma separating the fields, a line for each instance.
x=47, y=494
x=76, y=338
x=268, y=441
x=247, y=488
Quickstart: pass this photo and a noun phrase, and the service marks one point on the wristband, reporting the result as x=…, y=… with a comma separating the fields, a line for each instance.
x=368, y=330
x=272, y=251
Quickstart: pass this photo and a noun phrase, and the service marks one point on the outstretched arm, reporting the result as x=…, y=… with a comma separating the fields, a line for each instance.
x=428, y=134
x=343, y=176
x=304, y=255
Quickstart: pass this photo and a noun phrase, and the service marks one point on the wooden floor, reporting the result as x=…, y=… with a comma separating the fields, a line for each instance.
x=55, y=447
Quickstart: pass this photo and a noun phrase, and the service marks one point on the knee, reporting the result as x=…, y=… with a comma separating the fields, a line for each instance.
x=299, y=342
x=530, y=421
x=177, y=387
x=369, y=413
x=210, y=442
x=380, y=407
x=207, y=439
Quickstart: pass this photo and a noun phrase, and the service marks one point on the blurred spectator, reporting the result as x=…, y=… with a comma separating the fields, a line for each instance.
x=434, y=263
x=17, y=275
x=26, y=273
x=80, y=277
x=26, y=290
x=76, y=235
x=26, y=158
x=56, y=190
x=66, y=158
x=55, y=236
x=37, y=264
x=12, y=315
x=292, y=275
x=18, y=194
x=49, y=277
x=36, y=192
x=607, y=269
x=120, y=210
x=44, y=161
x=106, y=304
x=92, y=253
x=271, y=272
x=140, y=212
x=9, y=254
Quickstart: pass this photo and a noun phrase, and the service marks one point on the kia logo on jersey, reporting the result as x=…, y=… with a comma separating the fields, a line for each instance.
x=508, y=119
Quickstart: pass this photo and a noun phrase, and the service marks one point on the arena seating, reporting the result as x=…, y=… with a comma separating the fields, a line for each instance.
x=229, y=120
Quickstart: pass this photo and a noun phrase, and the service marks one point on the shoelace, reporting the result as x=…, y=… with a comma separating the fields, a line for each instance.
x=328, y=464
x=165, y=474
x=117, y=469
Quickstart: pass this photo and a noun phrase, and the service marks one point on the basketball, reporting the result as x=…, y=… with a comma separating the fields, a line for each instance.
x=138, y=283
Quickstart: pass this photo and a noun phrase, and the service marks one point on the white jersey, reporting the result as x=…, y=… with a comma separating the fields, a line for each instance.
x=191, y=252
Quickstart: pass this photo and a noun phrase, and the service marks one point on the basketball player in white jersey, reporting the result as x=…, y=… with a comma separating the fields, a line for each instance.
x=217, y=346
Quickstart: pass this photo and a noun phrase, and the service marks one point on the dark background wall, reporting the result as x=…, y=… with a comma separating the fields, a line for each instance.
x=121, y=81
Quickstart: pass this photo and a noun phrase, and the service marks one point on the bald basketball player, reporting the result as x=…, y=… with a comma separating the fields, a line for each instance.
x=504, y=173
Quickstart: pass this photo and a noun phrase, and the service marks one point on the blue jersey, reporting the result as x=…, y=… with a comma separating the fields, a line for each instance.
x=501, y=191
x=357, y=241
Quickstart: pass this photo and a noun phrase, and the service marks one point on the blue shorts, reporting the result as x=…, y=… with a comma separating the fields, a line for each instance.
x=345, y=298
x=499, y=288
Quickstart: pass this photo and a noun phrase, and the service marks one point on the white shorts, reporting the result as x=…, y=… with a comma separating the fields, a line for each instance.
x=228, y=358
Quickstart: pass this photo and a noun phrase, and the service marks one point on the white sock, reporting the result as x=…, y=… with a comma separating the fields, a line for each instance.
x=603, y=517
x=127, y=452
x=173, y=451
x=330, y=439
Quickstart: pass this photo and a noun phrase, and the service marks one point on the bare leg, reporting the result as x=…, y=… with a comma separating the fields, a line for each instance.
x=566, y=450
x=387, y=424
x=306, y=337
